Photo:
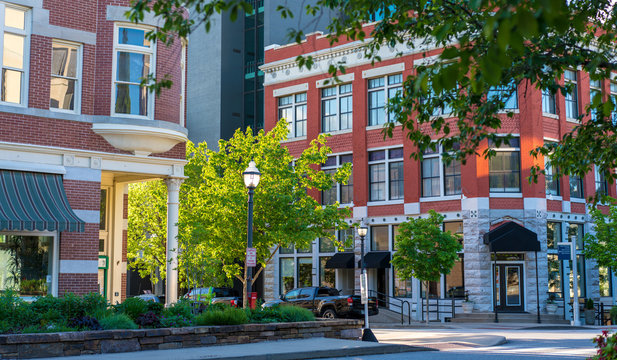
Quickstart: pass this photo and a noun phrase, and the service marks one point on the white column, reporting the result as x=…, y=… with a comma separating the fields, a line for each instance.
x=173, y=194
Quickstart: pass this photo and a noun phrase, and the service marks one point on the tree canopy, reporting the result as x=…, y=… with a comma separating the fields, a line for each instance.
x=489, y=48
x=601, y=244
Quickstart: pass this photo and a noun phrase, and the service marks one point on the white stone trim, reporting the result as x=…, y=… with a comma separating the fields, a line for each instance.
x=429, y=60
x=411, y=208
x=28, y=166
x=530, y=203
x=383, y=70
x=116, y=13
x=360, y=212
x=476, y=203
x=290, y=90
x=506, y=195
x=345, y=78
x=79, y=266
x=82, y=174
x=566, y=206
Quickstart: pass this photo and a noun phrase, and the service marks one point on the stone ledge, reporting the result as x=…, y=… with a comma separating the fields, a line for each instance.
x=27, y=346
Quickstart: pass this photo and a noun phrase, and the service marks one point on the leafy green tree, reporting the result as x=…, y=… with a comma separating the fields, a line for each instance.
x=424, y=250
x=602, y=245
x=487, y=44
x=285, y=214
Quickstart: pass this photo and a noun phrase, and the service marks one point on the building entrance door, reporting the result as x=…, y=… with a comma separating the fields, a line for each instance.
x=382, y=286
x=509, y=294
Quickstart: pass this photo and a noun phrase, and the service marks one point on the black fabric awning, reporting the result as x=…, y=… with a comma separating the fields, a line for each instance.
x=511, y=237
x=340, y=261
x=376, y=260
x=35, y=201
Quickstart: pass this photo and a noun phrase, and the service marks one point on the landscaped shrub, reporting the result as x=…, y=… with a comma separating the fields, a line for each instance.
x=228, y=316
x=175, y=321
x=15, y=313
x=51, y=328
x=133, y=307
x=155, y=307
x=181, y=308
x=94, y=303
x=148, y=320
x=607, y=346
x=71, y=306
x=85, y=323
x=264, y=315
x=614, y=315
x=117, y=321
x=295, y=314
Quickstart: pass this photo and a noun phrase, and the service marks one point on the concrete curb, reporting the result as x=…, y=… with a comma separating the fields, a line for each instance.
x=320, y=354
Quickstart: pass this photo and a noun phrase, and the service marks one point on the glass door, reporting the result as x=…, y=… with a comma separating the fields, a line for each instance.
x=509, y=287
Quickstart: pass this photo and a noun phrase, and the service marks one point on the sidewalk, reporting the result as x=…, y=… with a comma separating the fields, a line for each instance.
x=270, y=350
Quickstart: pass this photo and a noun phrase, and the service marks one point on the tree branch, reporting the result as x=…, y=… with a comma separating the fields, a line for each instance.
x=267, y=261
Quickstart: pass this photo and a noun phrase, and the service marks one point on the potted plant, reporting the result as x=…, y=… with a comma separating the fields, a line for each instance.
x=614, y=315
x=467, y=304
x=590, y=312
x=551, y=305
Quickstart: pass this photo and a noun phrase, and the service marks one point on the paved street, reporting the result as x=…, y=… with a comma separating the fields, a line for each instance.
x=521, y=343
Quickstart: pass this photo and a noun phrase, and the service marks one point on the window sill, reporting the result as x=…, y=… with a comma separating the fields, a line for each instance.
x=506, y=195
x=578, y=200
x=554, y=197
x=385, y=202
x=338, y=132
x=73, y=112
x=130, y=116
x=293, y=139
x=574, y=121
x=440, y=198
x=505, y=111
x=549, y=115
x=376, y=127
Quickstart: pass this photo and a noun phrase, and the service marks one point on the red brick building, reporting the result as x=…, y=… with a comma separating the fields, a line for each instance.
x=388, y=186
x=76, y=127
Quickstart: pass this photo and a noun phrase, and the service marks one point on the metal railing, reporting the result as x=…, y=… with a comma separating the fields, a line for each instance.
x=439, y=306
x=399, y=303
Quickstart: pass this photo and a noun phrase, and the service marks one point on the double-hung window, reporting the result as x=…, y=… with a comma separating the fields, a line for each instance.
x=336, y=108
x=65, y=87
x=576, y=187
x=292, y=108
x=15, y=43
x=505, y=167
x=548, y=102
x=386, y=174
x=505, y=93
x=380, y=90
x=614, y=100
x=133, y=62
x=595, y=88
x=438, y=177
x=572, y=95
x=338, y=192
x=552, y=181
x=601, y=183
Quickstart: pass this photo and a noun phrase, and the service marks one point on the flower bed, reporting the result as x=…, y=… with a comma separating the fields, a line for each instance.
x=27, y=346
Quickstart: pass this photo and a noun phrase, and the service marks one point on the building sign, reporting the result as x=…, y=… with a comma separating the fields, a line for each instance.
x=251, y=257
x=102, y=262
x=564, y=251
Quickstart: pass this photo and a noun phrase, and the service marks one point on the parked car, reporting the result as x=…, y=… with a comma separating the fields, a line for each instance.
x=222, y=295
x=149, y=297
x=326, y=302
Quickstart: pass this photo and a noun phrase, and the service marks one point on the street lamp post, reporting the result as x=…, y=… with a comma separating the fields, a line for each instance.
x=367, y=334
x=251, y=180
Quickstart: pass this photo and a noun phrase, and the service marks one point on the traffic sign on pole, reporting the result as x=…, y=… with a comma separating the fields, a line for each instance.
x=251, y=257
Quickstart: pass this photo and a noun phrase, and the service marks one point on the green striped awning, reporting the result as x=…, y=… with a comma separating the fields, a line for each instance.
x=35, y=201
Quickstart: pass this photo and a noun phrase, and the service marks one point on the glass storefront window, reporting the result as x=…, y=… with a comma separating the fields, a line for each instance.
x=327, y=277
x=286, y=271
x=402, y=287
x=455, y=280
x=580, y=268
x=305, y=272
x=379, y=238
x=434, y=290
x=553, y=234
x=554, y=276
x=286, y=250
x=576, y=230
x=26, y=264
x=605, y=281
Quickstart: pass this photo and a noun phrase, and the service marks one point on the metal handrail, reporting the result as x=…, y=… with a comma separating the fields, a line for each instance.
x=437, y=306
x=390, y=303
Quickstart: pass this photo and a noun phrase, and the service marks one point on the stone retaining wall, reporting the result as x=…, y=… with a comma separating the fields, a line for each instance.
x=28, y=346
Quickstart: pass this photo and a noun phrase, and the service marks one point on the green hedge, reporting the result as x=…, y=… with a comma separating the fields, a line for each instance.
x=92, y=312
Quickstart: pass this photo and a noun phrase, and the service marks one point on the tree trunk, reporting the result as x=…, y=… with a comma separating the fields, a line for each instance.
x=426, y=293
x=245, y=294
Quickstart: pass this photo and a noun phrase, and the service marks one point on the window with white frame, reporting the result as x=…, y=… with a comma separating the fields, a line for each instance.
x=595, y=88
x=551, y=180
x=386, y=174
x=555, y=270
x=15, y=47
x=336, y=108
x=572, y=95
x=505, y=167
x=548, y=102
x=613, y=89
x=292, y=108
x=438, y=177
x=133, y=62
x=505, y=93
x=343, y=193
x=601, y=183
x=380, y=90
x=65, y=86
x=576, y=187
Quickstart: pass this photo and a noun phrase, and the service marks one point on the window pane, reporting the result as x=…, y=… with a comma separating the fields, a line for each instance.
x=327, y=277
x=131, y=99
x=374, y=83
x=135, y=37
x=13, y=55
x=455, y=280
x=379, y=238
x=452, y=178
x=347, y=191
x=64, y=61
x=26, y=263
x=396, y=180
x=301, y=97
x=11, y=86
x=605, y=281
x=286, y=250
x=377, y=180
x=402, y=287
x=286, y=100
x=14, y=18
x=305, y=272
x=331, y=91
x=577, y=231
x=62, y=93
x=286, y=270
x=326, y=245
x=345, y=89
x=395, y=153
x=576, y=187
x=553, y=234
x=376, y=155
x=132, y=67
x=395, y=79
x=554, y=276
